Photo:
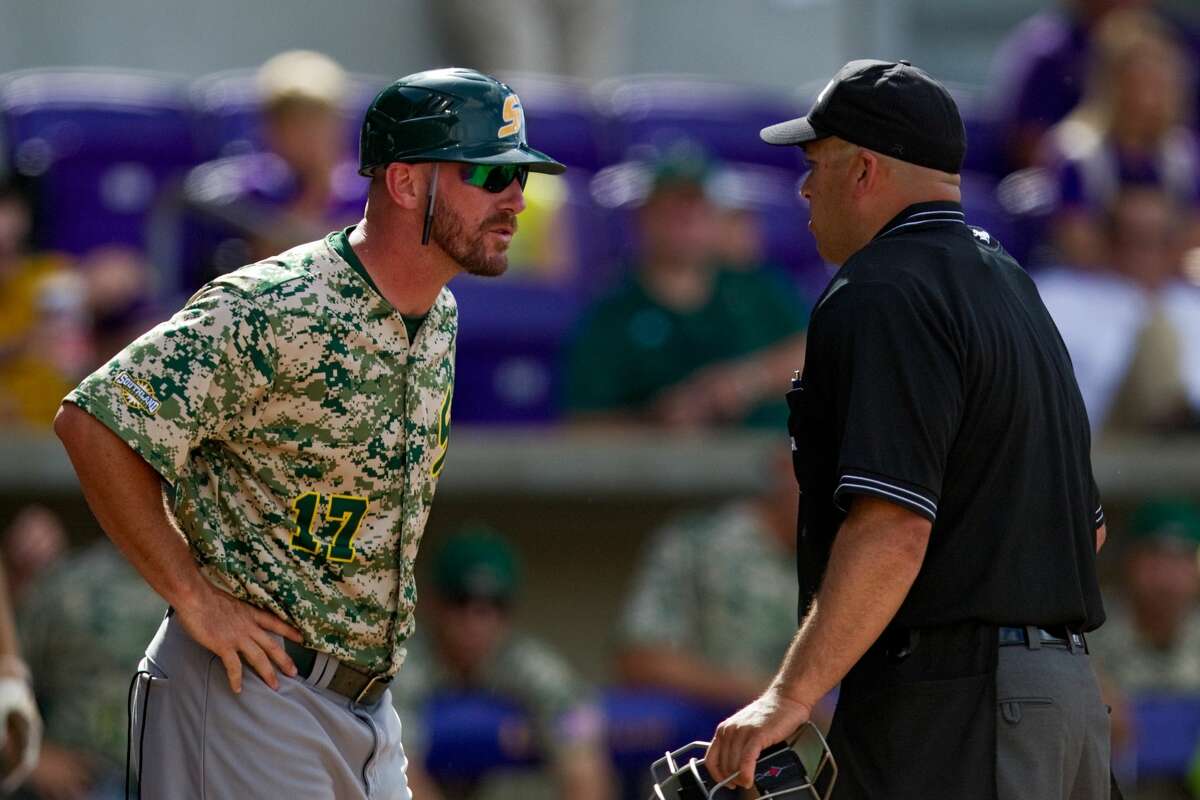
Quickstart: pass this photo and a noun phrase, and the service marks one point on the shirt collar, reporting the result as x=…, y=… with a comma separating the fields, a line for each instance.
x=937, y=212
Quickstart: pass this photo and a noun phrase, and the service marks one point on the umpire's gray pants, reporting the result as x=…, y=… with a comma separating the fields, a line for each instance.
x=192, y=738
x=1052, y=728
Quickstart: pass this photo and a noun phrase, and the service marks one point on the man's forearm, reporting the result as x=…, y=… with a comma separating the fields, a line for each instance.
x=125, y=494
x=875, y=559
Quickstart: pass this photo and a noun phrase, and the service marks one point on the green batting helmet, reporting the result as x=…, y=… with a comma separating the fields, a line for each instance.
x=448, y=115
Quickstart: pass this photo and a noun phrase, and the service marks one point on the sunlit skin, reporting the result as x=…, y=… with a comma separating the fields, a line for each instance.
x=852, y=192
x=471, y=232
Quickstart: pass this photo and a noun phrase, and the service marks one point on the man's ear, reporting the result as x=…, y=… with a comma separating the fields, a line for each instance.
x=405, y=184
x=865, y=171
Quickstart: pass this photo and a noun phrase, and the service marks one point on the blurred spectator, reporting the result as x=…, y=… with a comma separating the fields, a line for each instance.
x=685, y=342
x=31, y=543
x=1041, y=70
x=1133, y=328
x=1151, y=639
x=1150, y=643
x=44, y=322
x=470, y=647
x=1130, y=130
x=303, y=185
x=20, y=723
x=85, y=626
x=713, y=604
x=566, y=37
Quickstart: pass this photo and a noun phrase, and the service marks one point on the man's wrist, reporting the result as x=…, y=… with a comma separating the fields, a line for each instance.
x=13, y=666
x=190, y=593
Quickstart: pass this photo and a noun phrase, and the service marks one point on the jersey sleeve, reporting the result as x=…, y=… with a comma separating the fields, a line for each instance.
x=1097, y=505
x=893, y=377
x=184, y=380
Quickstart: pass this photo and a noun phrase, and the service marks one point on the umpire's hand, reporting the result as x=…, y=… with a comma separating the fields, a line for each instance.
x=234, y=630
x=739, y=740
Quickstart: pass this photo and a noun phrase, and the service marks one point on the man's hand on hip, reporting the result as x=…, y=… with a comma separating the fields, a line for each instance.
x=233, y=630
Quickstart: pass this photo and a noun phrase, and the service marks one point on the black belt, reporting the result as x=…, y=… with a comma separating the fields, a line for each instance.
x=347, y=681
x=1034, y=637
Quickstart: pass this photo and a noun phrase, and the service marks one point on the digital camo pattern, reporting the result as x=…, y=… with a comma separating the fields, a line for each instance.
x=303, y=436
x=718, y=587
x=84, y=627
x=1135, y=665
x=522, y=670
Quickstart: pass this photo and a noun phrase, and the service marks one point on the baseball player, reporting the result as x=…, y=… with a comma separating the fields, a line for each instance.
x=299, y=409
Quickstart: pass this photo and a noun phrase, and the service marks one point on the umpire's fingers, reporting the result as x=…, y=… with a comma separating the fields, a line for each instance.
x=745, y=767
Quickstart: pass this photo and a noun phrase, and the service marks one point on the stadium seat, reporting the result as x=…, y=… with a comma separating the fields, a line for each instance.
x=509, y=349
x=985, y=144
x=724, y=117
x=1167, y=733
x=100, y=145
x=563, y=119
x=471, y=734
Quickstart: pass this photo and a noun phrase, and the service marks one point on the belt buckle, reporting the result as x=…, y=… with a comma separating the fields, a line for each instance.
x=370, y=684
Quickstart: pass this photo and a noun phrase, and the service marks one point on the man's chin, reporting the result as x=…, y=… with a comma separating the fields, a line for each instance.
x=492, y=268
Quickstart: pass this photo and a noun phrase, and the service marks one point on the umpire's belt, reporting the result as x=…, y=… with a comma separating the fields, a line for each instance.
x=1034, y=637
x=346, y=680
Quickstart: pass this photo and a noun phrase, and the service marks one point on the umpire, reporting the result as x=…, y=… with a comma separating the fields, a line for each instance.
x=949, y=519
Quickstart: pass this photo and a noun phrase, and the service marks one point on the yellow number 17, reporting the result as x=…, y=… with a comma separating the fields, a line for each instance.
x=344, y=511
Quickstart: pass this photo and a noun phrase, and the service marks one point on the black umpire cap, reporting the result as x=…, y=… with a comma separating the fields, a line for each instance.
x=890, y=107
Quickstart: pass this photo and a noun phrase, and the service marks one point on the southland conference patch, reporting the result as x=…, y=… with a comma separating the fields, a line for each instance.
x=137, y=393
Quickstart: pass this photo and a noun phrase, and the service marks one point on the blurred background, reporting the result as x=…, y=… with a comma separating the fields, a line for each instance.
x=608, y=567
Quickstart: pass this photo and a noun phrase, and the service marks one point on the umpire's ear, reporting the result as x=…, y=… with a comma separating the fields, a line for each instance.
x=406, y=183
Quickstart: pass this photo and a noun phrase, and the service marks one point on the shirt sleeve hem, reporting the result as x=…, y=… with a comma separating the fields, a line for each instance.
x=1099, y=516
x=852, y=482
x=159, y=462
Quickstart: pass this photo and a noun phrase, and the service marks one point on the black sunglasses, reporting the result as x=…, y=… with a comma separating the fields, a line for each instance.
x=495, y=178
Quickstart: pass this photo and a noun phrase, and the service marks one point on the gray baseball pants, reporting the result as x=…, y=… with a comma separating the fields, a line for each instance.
x=1052, y=729
x=192, y=738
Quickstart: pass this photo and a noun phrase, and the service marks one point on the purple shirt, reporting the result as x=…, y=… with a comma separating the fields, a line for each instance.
x=1091, y=177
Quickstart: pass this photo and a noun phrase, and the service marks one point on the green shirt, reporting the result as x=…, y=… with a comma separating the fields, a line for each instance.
x=629, y=347
x=303, y=434
x=84, y=627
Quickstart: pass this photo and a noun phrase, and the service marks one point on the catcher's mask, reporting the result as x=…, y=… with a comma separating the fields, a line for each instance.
x=779, y=772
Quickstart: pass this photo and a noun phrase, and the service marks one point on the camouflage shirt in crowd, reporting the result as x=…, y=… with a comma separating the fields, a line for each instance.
x=84, y=627
x=719, y=587
x=1136, y=666
x=524, y=671
x=303, y=434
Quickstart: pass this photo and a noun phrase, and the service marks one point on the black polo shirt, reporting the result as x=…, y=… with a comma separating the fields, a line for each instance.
x=935, y=379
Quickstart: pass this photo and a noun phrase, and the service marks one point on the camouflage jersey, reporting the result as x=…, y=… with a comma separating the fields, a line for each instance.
x=303, y=434
x=719, y=586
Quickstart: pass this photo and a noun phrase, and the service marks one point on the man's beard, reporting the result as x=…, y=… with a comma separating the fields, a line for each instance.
x=449, y=232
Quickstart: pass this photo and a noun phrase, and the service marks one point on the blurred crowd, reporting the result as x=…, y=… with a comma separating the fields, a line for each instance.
x=664, y=285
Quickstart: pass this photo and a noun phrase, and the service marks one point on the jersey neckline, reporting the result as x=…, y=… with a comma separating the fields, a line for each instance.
x=340, y=242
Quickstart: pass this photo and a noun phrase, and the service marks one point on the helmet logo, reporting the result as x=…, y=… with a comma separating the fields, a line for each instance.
x=514, y=117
